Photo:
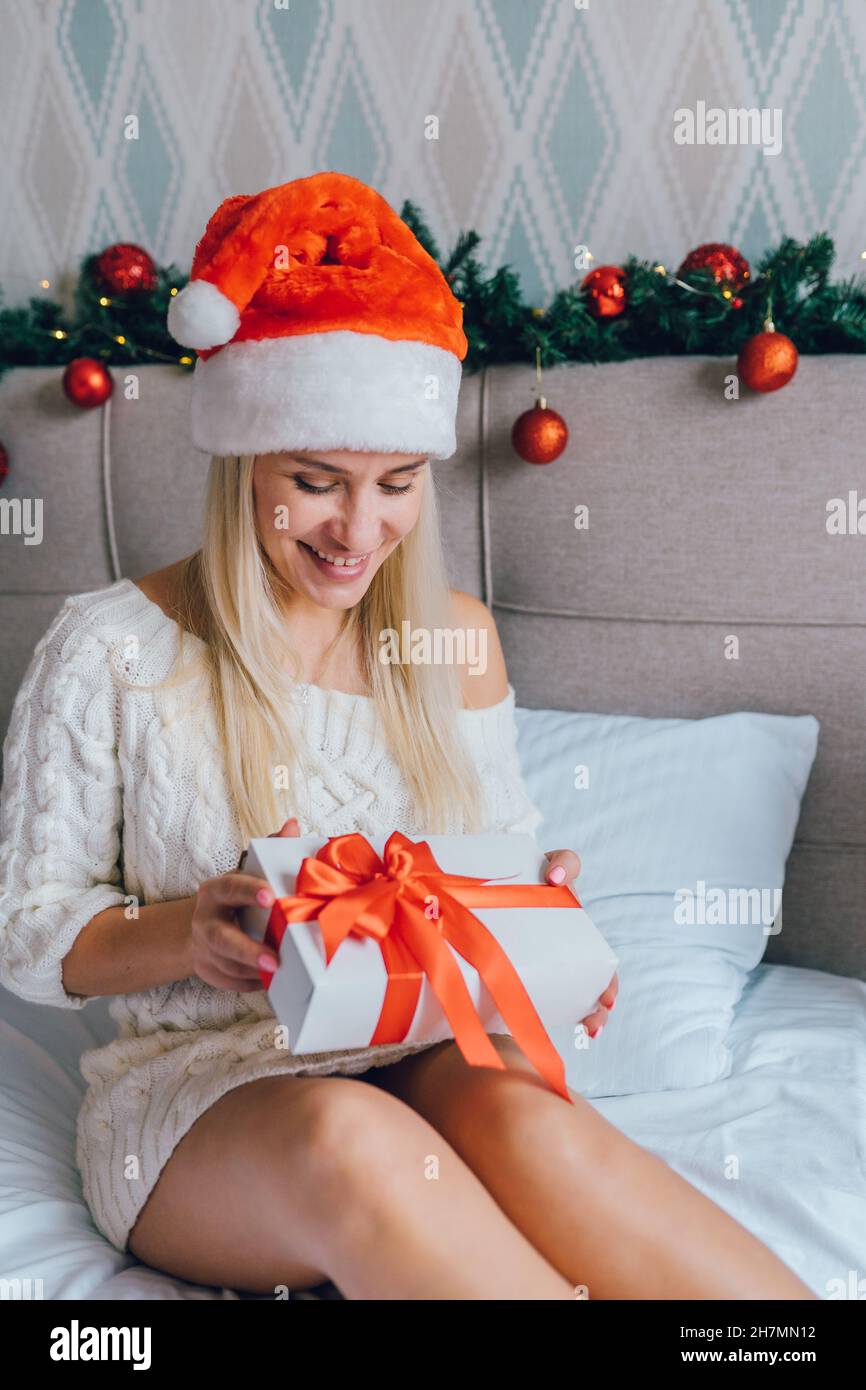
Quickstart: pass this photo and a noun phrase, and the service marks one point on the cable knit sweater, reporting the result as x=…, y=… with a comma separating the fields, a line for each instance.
x=112, y=795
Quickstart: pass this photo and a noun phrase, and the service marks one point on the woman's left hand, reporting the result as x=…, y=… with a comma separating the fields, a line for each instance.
x=564, y=867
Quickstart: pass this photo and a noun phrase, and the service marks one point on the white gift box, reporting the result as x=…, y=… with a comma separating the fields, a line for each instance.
x=563, y=961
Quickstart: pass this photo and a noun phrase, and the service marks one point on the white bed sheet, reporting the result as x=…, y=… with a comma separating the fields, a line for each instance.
x=792, y=1113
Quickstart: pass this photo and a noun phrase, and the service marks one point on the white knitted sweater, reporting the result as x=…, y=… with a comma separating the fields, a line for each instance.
x=111, y=793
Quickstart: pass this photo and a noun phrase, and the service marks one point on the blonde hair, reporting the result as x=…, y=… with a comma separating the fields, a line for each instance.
x=227, y=595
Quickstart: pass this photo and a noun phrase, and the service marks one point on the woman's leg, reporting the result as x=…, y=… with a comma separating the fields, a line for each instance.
x=287, y=1181
x=605, y=1212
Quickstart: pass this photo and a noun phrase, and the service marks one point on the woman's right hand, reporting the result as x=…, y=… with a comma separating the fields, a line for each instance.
x=221, y=953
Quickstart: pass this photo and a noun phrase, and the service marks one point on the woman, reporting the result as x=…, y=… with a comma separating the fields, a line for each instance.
x=163, y=722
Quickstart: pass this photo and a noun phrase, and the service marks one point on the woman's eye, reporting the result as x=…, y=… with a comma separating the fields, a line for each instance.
x=319, y=491
x=308, y=487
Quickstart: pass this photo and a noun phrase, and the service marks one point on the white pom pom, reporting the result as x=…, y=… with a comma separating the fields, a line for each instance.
x=201, y=316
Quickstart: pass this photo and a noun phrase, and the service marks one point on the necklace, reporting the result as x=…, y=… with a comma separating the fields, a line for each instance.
x=304, y=687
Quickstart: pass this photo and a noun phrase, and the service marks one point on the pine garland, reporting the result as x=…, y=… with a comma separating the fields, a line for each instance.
x=117, y=329
x=791, y=284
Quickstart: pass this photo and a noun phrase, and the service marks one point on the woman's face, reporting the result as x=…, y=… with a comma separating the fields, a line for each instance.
x=352, y=508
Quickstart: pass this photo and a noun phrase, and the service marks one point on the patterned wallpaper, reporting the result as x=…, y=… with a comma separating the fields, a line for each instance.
x=555, y=123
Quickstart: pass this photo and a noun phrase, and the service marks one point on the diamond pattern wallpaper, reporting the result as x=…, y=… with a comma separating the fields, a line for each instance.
x=544, y=124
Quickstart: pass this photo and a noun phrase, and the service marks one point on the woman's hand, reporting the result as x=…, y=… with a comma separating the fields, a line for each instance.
x=564, y=867
x=221, y=953
x=594, y=1022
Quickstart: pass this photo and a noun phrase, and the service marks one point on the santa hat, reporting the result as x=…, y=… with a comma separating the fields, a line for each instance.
x=320, y=322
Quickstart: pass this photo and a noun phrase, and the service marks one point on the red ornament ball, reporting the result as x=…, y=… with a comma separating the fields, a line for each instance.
x=727, y=265
x=4, y=463
x=605, y=286
x=540, y=434
x=767, y=361
x=125, y=267
x=87, y=382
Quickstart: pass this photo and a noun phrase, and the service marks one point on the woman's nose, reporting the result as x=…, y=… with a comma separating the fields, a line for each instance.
x=358, y=527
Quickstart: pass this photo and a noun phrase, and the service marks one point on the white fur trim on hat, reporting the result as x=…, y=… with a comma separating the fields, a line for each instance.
x=201, y=316
x=328, y=390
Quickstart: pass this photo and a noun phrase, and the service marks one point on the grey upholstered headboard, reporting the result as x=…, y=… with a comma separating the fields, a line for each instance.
x=706, y=520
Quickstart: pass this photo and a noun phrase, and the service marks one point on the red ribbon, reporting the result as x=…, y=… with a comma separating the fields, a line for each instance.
x=351, y=891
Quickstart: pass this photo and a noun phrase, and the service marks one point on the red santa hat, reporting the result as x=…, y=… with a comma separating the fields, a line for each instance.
x=320, y=322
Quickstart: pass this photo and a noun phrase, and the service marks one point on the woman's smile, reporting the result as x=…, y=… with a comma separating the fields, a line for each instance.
x=343, y=569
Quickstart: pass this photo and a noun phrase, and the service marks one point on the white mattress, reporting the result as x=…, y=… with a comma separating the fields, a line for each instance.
x=792, y=1113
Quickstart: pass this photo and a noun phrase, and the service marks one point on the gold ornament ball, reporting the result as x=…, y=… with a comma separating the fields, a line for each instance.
x=767, y=361
x=539, y=435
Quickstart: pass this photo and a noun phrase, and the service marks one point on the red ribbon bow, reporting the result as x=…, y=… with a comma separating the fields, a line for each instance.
x=351, y=891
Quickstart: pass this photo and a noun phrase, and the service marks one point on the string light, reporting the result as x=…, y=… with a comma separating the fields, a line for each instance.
x=692, y=289
x=105, y=302
x=60, y=334
x=726, y=292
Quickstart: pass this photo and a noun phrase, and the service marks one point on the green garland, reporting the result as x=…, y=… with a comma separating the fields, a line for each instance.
x=663, y=318
x=119, y=330
x=791, y=285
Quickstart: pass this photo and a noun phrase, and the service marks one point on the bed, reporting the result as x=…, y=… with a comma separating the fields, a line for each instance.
x=706, y=520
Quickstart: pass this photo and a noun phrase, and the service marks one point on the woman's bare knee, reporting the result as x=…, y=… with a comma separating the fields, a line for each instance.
x=364, y=1151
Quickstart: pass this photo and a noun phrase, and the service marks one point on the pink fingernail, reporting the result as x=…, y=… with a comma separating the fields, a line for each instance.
x=264, y=897
x=556, y=874
x=610, y=1006
x=597, y=1031
x=266, y=963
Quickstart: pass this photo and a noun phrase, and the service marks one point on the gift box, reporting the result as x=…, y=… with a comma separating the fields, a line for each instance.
x=386, y=939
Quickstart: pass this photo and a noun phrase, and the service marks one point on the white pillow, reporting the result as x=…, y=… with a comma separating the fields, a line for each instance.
x=656, y=808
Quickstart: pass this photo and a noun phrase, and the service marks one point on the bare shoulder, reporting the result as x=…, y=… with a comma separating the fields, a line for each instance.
x=159, y=586
x=483, y=676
